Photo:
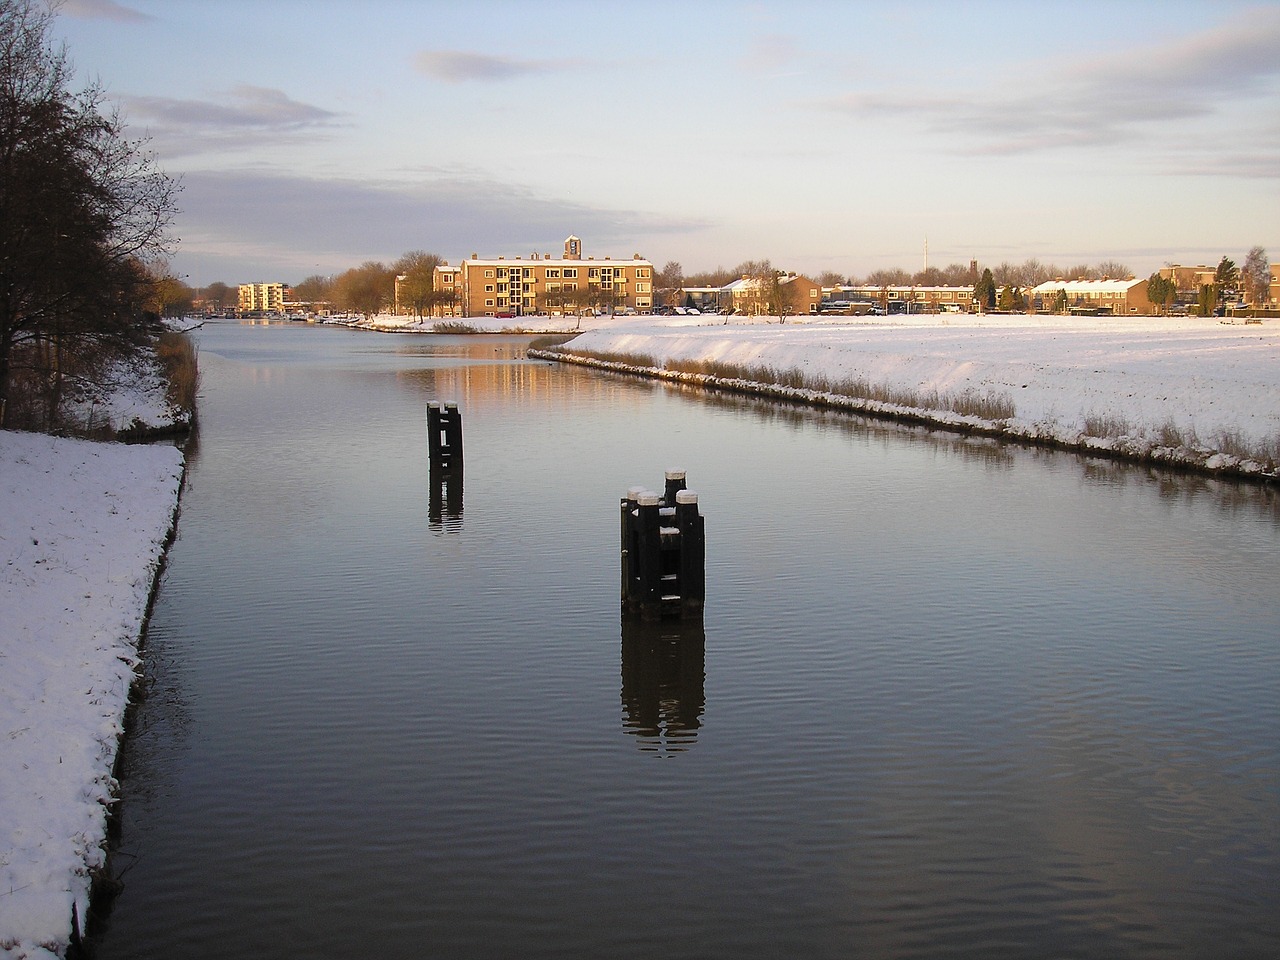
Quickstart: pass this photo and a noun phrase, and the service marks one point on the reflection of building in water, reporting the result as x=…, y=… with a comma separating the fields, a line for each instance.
x=491, y=373
x=663, y=673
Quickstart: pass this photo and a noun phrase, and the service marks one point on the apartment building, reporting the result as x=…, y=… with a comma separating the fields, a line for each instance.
x=1191, y=279
x=262, y=297
x=569, y=284
x=1106, y=296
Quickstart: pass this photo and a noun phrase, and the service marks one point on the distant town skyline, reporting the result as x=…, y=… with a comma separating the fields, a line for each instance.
x=824, y=136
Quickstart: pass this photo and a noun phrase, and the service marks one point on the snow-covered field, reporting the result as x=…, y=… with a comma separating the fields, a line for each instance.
x=82, y=531
x=1186, y=390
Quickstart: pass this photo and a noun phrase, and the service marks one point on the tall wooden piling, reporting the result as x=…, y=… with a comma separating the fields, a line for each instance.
x=663, y=551
x=444, y=434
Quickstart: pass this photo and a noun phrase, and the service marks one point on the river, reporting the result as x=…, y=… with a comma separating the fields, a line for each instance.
x=948, y=698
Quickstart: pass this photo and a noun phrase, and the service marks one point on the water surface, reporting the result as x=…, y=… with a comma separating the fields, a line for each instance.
x=948, y=698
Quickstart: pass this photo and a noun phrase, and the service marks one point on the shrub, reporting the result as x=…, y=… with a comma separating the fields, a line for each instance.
x=177, y=355
x=1106, y=425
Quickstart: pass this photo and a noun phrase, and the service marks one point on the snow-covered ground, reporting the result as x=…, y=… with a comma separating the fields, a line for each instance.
x=1189, y=390
x=82, y=532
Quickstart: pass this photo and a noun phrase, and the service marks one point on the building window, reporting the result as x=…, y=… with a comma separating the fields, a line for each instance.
x=553, y=274
x=488, y=274
x=489, y=302
x=502, y=301
x=488, y=287
x=571, y=273
x=642, y=288
x=642, y=272
x=527, y=273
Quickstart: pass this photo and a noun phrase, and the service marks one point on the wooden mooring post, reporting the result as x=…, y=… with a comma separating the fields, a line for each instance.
x=444, y=434
x=663, y=551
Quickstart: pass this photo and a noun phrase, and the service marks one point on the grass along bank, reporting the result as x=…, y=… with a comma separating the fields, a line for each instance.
x=986, y=410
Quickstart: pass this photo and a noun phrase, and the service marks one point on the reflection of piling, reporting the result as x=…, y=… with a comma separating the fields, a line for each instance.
x=444, y=434
x=663, y=551
x=445, y=503
x=663, y=682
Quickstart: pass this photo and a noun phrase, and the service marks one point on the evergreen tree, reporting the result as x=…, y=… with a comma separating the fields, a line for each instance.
x=984, y=292
x=1226, y=279
x=1162, y=291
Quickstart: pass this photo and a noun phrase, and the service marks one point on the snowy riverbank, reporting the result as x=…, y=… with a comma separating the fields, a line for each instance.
x=82, y=534
x=1192, y=391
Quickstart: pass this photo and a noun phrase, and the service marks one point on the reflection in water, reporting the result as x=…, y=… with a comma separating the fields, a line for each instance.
x=663, y=672
x=1026, y=706
x=444, y=512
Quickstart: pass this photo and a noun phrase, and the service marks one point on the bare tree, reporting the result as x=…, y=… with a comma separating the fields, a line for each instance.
x=955, y=275
x=83, y=211
x=895, y=277
x=711, y=278
x=761, y=286
x=415, y=286
x=365, y=289
x=1114, y=269
x=218, y=295
x=315, y=289
x=1256, y=277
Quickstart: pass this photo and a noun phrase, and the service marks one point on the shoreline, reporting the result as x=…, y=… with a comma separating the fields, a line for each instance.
x=1173, y=458
x=1193, y=397
x=86, y=543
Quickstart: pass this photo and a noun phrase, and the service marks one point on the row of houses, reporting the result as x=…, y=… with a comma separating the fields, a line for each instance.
x=574, y=284
x=1117, y=297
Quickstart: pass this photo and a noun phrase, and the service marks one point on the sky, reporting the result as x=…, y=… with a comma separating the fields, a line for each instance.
x=310, y=136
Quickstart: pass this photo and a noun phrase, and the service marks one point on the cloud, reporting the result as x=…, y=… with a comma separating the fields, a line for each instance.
x=102, y=10
x=246, y=108
x=459, y=66
x=240, y=119
x=293, y=226
x=1100, y=101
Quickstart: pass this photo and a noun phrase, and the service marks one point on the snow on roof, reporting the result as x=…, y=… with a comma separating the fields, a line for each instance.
x=1105, y=285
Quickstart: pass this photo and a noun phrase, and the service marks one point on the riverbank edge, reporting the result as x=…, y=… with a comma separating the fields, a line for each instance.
x=90, y=885
x=103, y=886
x=1130, y=449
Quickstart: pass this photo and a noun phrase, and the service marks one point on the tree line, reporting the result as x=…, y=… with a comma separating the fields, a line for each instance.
x=371, y=287
x=83, y=218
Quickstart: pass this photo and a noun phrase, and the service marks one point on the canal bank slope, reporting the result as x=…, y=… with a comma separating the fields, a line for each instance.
x=83, y=530
x=1188, y=391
